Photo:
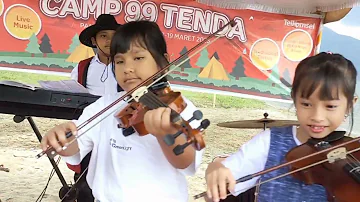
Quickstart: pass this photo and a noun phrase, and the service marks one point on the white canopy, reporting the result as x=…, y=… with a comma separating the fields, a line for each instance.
x=284, y=6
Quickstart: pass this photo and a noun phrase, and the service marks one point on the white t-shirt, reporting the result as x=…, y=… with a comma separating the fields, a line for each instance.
x=132, y=168
x=100, y=78
x=251, y=158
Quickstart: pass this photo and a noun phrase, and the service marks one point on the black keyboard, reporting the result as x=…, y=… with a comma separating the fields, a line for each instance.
x=43, y=103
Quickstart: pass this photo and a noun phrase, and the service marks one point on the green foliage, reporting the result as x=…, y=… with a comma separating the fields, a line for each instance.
x=37, y=61
x=29, y=78
x=186, y=64
x=203, y=60
x=199, y=99
x=75, y=42
x=26, y=54
x=239, y=69
x=33, y=45
x=244, y=83
x=274, y=76
x=222, y=101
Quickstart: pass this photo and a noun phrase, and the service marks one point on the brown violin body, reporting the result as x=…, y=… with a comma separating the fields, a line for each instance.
x=133, y=115
x=340, y=175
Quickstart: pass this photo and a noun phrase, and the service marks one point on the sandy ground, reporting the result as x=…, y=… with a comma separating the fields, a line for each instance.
x=28, y=176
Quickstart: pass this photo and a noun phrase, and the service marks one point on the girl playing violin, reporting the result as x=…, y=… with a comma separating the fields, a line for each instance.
x=128, y=167
x=323, y=94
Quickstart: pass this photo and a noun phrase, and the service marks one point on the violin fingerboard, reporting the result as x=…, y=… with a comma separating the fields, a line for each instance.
x=353, y=169
x=175, y=117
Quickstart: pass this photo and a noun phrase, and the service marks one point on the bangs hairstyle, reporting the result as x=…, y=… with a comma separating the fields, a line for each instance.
x=145, y=34
x=332, y=73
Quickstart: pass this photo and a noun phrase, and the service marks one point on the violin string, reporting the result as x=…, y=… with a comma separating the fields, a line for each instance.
x=356, y=161
x=51, y=150
x=196, y=52
x=113, y=105
x=352, y=161
x=283, y=175
x=130, y=99
x=153, y=100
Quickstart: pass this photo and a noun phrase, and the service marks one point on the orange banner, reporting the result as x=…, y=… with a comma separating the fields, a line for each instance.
x=257, y=57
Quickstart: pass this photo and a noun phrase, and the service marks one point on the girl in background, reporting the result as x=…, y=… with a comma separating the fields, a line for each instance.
x=323, y=93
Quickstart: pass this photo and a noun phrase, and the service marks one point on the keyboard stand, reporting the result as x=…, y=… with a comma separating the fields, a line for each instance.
x=66, y=187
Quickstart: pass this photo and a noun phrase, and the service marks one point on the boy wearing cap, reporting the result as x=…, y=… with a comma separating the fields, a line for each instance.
x=95, y=74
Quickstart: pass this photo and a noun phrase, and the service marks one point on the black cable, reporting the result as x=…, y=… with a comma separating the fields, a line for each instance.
x=41, y=196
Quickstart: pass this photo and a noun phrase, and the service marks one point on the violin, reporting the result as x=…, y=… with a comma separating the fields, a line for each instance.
x=335, y=170
x=160, y=95
x=144, y=97
x=332, y=162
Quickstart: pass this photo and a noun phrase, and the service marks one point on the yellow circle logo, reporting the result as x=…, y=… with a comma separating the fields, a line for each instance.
x=1, y=7
x=297, y=45
x=265, y=54
x=21, y=21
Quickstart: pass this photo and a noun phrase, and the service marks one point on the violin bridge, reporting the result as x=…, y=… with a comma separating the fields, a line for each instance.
x=138, y=93
x=336, y=154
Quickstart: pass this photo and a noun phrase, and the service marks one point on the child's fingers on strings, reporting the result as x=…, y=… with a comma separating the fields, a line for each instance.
x=153, y=121
x=165, y=119
x=147, y=121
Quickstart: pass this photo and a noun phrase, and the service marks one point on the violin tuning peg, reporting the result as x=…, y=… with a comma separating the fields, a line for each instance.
x=179, y=149
x=170, y=139
x=205, y=123
x=197, y=115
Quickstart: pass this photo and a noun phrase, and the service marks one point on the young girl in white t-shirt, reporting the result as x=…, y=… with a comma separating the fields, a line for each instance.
x=128, y=167
x=323, y=92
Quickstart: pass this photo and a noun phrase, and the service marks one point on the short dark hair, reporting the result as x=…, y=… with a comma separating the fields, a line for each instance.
x=327, y=71
x=146, y=34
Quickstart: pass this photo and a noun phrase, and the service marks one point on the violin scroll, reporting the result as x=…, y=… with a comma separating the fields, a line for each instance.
x=170, y=139
x=194, y=136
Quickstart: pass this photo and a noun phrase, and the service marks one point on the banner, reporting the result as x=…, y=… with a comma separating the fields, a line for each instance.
x=257, y=57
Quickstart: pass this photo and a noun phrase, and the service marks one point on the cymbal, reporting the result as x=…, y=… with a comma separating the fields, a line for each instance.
x=260, y=123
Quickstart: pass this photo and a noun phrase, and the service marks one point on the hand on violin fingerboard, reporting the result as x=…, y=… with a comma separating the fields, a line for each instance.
x=157, y=122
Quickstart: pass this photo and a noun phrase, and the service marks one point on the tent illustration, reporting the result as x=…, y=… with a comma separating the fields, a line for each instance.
x=214, y=70
x=81, y=52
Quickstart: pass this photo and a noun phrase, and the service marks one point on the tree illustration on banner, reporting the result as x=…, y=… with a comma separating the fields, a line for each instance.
x=216, y=55
x=187, y=63
x=239, y=70
x=286, y=79
x=33, y=45
x=274, y=76
x=45, y=45
x=203, y=60
x=75, y=42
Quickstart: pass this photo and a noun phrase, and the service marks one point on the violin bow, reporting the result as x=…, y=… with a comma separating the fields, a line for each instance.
x=251, y=176
x=138, y=91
